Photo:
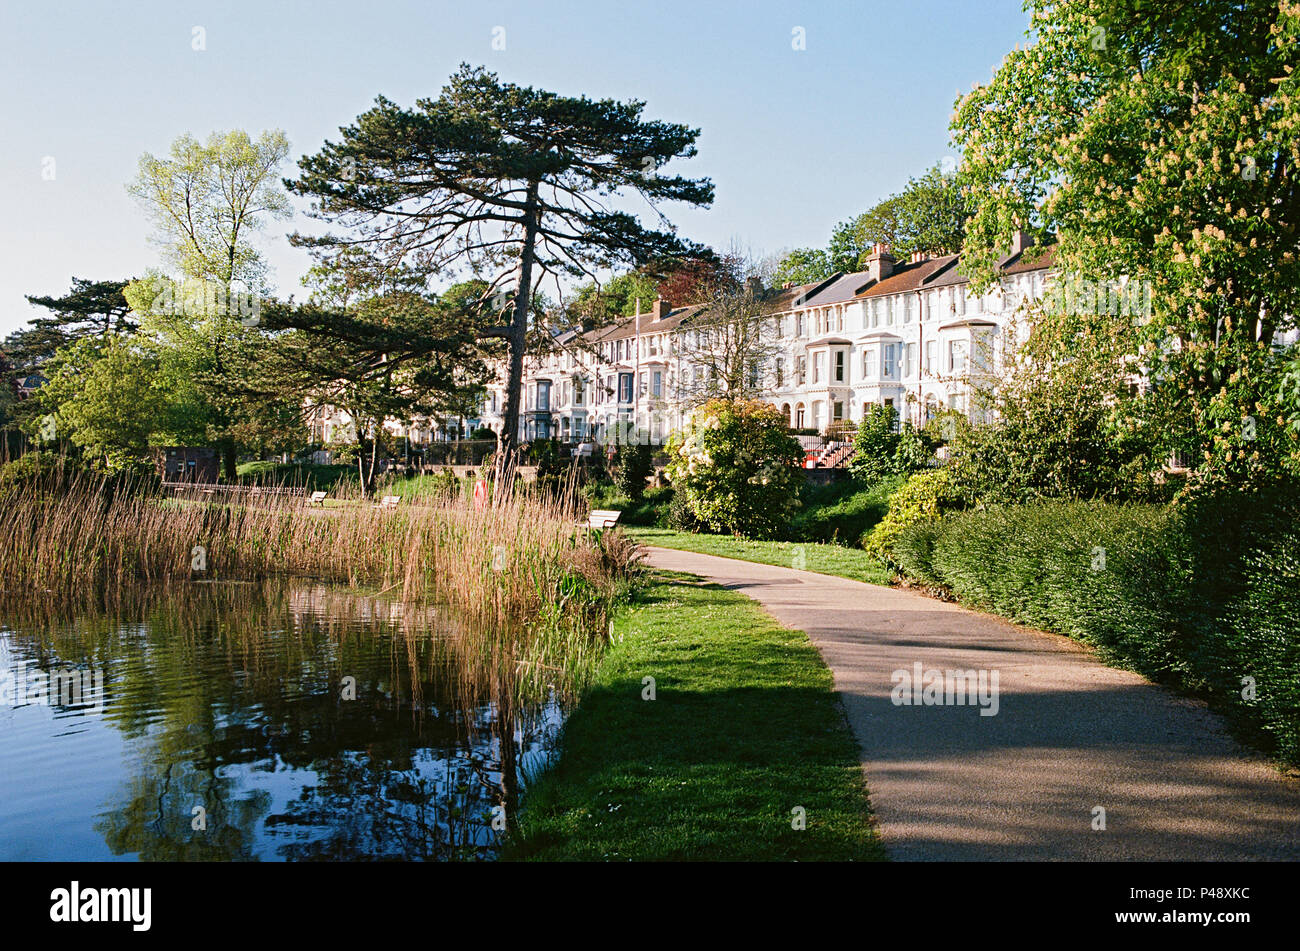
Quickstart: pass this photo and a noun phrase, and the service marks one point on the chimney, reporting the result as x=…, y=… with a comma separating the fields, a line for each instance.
x=754, y=285
x=917, y=257
x=660, y=310
x=1020, y=241
x=880, y=264
x=787, y=285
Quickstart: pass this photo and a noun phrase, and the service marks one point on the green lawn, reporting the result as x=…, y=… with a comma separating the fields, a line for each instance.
x=743, y=729
x=811, y=556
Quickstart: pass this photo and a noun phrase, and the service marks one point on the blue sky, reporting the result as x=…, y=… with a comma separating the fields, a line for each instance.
x=794, y=141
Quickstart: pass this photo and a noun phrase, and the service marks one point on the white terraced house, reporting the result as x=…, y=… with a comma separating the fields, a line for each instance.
x=904, y=334
x=907, y=334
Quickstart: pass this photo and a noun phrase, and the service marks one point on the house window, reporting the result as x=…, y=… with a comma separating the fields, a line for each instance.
x=801, y=370
x=957, y=356
x=889, y=360
x=780, y=371
x=837, y=410
x=657, y=384
x=625, y=387
x=817, y=368
x=909, y=367
x=644, y=384
x=930, y=352
x=799, y=417
x=869, y=363
x=839, y=366
x=577, y=391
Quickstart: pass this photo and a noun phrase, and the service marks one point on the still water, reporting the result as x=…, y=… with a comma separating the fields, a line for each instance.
x=280, y=723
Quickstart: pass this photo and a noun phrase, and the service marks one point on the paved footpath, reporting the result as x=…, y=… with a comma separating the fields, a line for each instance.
x=1070, y=735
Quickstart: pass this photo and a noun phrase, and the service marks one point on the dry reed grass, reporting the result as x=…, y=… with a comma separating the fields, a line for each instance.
x=520, y=559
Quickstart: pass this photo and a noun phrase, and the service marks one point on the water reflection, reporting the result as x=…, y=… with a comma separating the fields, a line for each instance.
x=252, y=723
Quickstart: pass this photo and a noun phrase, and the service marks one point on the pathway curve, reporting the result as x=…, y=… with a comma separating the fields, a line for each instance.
x=1070, y=734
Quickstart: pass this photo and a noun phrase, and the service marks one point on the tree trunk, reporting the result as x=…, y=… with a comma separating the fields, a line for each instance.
x=229, y=460
x=518, y=334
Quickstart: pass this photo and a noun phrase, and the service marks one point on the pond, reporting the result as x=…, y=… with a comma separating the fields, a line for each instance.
x=289, y=722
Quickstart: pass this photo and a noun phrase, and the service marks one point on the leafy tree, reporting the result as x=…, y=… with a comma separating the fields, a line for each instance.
x=737, y=468
x=1063, y=425
x=206, y=200
x=597, y=305
x=633, y=462
x=510, y=181
x=914, y=450
x=803, y=266
x=90, y=308
x=376, y=352
x=693, y=280
x=875, y=445
x=106, y=398
x=1158, y=143
x=929, y=215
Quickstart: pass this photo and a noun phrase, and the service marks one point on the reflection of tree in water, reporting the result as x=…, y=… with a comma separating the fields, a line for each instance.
x=216, y=689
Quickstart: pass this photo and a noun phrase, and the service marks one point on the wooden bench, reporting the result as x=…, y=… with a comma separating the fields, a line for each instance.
x=389, y=502
x=317, y=498
x=603, y=518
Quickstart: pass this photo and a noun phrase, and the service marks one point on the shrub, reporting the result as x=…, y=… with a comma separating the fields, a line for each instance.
x=632, y=464
x=681, y=515
x=875, y=444
x=914, y=450
x=1261, y=642
x=924, y=497
x=841, y=512
x=737, y=467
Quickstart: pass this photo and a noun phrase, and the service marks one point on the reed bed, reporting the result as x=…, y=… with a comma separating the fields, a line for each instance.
x=520, y=559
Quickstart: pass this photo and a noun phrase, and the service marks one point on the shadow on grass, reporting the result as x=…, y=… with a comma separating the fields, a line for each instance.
x=743, y=731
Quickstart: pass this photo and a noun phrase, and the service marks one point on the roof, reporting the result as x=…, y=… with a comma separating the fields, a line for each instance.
x=631, y=326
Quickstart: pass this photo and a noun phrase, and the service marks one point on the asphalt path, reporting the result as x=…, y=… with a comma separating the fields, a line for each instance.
x=1073, y=746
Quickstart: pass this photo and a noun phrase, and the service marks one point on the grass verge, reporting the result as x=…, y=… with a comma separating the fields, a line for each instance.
x=811, y=556
x=744, y=728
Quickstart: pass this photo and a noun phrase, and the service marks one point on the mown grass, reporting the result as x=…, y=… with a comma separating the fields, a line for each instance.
x=744, y=728
x=811, y=556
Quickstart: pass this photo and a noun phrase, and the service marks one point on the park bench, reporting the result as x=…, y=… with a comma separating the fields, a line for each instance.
x=603, y=518
x=317, y=498
x=389, y=502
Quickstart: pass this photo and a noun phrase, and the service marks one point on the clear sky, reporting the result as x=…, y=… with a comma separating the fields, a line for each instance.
x=794, y=140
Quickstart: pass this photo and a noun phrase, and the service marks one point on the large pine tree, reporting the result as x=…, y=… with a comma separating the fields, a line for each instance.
x=513, y=183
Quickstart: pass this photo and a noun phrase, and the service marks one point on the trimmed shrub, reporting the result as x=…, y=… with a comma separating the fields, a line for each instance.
x=1262, y=642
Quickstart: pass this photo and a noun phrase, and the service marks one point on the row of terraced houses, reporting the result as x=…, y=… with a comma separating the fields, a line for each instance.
x=904, y=333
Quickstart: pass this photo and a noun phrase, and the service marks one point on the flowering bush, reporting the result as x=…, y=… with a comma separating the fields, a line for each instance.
x=737, y=468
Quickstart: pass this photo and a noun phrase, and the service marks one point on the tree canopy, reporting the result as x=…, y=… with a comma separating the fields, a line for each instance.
x=1158, y=143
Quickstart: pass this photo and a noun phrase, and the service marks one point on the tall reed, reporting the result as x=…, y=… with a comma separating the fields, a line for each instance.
x=520, y=558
